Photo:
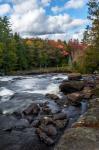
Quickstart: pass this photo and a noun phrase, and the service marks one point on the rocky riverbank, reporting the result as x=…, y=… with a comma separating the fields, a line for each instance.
x=84, y=134
x=75, y=126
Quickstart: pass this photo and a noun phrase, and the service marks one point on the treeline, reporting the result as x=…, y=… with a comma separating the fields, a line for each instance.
x=17, y=54
x=25, y=54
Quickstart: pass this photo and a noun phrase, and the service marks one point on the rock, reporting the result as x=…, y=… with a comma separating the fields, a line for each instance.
x=60, y=116
x=61, y=124
x=33, y=109
x=79, y=139
x=47, y=120
x=74, y=76
x=35, y=123
x=8, y=123
x=94, y=103
x=52, y=96
x=87, y=93
x=96, y=91
x=44, y=137
x=75, y=98
x=46, y=110
x=51, y=130
x=90, y=82
x=21, y=140
x=17, y=114
x=91, y=117
x=71, y=86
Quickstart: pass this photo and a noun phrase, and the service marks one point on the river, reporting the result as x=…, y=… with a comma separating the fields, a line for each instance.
x=17, y=92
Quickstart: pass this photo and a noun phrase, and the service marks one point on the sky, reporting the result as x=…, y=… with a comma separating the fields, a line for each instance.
x=52, y=19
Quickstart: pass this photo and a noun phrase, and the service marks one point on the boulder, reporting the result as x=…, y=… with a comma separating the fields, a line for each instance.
x=79, y=139
x=87, y=92
x=21, y=140
x=43, y=137
x=91, y=117
x=61, y=124
x=9, y=123
x=75, y=98
x=51, y=130
x=60, y=116
x=74, y=76
x=52, y=96
x=33, y=109
x=71, y=86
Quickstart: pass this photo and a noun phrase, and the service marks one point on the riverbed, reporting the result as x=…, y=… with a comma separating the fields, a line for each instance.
x=17, y=93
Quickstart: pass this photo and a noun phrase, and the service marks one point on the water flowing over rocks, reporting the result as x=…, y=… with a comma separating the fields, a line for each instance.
x=50, y=112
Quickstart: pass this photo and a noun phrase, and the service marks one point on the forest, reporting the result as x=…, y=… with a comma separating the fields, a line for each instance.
x=17, y=53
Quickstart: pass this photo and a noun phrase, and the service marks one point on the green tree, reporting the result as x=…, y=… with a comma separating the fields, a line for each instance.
x=90, y=61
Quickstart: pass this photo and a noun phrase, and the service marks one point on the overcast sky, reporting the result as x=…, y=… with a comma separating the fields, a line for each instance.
x=54, y=19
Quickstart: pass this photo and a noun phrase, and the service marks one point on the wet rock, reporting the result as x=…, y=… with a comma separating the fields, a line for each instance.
x=71, y=86
x=52, y=96
x=61, y=124
x=8, y=123
x=60, y=116
x=33, y=109
x=90, y=82
x=46, y=109
x=17, y=114
x=91, y=117
x=43, y=137
x=35, y=123
x=21, y=140
x=51, y=130
x=75, y=98
x=79, y=139
x=74, y=76
x=30, y=118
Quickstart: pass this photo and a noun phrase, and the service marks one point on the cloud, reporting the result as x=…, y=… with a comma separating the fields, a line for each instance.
x=29, y=18
x=71, y=4
x=4, y=9
x=46, y=2
x=74, y=4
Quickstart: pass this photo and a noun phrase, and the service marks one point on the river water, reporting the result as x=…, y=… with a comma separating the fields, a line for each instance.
x=17, y=92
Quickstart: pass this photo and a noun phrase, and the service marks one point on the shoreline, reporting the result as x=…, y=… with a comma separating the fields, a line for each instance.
x=40, y=71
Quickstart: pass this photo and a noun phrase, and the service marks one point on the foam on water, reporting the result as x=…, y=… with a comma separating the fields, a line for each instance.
x=51, y=89
x=60, y=76
x=5, y=79
x=5, y=92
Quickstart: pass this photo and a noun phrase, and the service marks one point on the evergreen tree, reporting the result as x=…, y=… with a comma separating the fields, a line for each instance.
x=90, y=60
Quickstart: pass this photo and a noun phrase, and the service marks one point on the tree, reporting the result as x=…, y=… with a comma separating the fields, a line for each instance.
x=90, y=61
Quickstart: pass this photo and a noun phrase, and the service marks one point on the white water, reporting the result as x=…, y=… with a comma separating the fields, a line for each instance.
x=60, y=76
x=27, y=90
x=51, y=89
x=5, y=94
